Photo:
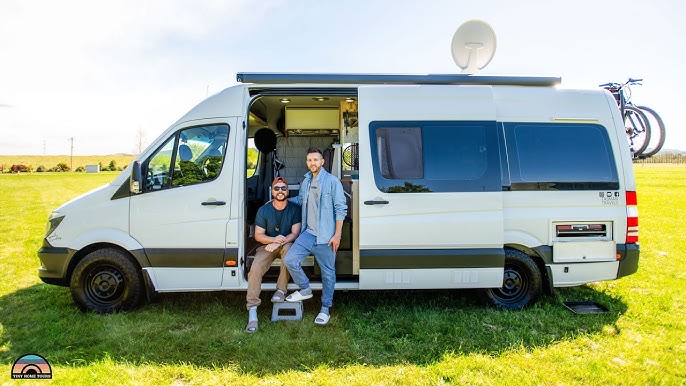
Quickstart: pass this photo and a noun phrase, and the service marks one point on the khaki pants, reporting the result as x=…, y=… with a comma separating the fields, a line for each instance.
x=263, y=260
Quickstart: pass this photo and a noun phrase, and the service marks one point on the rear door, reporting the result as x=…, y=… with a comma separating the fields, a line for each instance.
x=431, y=211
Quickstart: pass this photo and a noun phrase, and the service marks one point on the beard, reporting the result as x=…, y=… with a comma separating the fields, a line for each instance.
x=280, y=197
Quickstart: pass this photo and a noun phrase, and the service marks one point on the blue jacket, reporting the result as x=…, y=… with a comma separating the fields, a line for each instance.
x=332, y=205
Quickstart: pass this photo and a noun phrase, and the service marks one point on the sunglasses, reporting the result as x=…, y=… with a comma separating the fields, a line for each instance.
x=284, y=188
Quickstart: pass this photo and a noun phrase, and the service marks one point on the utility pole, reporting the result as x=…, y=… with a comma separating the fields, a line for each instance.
x=140, y=135
x=72, y=153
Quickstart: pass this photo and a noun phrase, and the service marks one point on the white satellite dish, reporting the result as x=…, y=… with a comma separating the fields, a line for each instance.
x=473, y=46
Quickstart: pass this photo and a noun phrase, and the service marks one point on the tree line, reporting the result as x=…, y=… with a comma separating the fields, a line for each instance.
x=59, y=167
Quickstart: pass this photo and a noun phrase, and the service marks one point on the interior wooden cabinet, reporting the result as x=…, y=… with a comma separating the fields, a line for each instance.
x=312, y=118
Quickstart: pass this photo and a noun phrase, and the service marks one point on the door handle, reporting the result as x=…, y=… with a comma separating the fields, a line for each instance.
x=215, y=203
x=376, y=202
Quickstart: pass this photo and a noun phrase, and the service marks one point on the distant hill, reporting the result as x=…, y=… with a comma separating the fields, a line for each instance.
x=672, y=151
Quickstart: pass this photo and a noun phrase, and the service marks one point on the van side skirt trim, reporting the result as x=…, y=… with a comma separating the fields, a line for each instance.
x=192, y=257
x=432, y=258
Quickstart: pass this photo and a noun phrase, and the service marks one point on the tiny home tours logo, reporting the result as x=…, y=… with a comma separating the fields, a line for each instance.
x=31, y=366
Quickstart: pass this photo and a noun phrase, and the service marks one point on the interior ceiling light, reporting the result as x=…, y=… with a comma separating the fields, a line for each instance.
x=321, y=99
x=284, y=100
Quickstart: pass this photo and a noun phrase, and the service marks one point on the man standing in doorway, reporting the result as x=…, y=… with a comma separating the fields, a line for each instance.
x=323, y=210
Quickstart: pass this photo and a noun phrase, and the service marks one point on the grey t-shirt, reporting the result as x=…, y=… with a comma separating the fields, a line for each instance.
x=313, y=206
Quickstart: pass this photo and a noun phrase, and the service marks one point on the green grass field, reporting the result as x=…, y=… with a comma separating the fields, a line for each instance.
x=385, y=338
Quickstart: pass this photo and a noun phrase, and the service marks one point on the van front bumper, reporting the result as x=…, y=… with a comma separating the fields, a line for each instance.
x=54, y=264
x=628, y=262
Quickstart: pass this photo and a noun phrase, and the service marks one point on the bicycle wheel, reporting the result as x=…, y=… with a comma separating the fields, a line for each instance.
x=637, y=129
x=657, y=132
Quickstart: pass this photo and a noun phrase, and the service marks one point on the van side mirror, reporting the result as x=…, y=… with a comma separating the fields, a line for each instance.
x=136, y=178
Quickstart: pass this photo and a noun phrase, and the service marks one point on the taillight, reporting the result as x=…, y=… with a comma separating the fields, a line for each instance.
x=631, y=218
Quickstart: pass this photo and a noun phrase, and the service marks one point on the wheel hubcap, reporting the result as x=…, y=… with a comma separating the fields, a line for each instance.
x=514, y=285
x=512, y=282
x=104, y=285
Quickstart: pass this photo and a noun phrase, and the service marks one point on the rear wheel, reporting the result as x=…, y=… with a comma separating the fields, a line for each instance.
x=105, y=281
x=657, y=132
x=637, y=129
x=522, y=283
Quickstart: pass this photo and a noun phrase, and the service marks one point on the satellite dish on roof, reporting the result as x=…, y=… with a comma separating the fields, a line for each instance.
x=473, y=46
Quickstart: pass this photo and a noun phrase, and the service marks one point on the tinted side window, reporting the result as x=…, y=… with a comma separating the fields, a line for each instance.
x=464, y=156
x=435, y=156
x=197, y=155
x=560, y=157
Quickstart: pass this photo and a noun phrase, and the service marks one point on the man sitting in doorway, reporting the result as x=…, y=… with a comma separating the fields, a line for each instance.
x=277, y=225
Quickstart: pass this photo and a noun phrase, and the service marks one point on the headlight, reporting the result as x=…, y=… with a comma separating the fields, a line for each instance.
x=53, y=221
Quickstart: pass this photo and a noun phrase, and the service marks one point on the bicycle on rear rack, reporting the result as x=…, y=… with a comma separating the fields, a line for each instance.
x=644, y=127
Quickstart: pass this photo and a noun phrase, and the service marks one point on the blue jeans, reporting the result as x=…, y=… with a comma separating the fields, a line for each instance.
x=305, y=245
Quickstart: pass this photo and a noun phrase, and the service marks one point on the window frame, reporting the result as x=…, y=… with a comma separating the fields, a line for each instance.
x=517, y=182
x=489, y=181
x=171, y=171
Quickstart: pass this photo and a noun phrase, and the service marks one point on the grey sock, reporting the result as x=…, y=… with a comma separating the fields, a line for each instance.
x=306, y=291
x=324, y=310
x=252, y=314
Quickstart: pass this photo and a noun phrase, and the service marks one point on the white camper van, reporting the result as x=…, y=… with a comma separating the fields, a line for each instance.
x=506, y=184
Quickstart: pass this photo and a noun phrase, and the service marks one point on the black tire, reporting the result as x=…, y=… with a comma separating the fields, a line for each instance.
x=657, y=131
x=105, y=281
x=522, y=283
x=637, y=129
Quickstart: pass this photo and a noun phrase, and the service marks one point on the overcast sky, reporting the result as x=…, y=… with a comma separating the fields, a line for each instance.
x=101, y=71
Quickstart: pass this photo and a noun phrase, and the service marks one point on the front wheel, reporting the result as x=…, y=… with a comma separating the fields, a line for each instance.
x=522, y=283
x=105, y=281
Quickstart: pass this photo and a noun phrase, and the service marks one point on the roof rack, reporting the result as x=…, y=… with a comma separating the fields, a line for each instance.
x=456, y=79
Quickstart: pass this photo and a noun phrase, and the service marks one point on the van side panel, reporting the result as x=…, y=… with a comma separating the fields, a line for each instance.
x=567, y=170
x=429, y=184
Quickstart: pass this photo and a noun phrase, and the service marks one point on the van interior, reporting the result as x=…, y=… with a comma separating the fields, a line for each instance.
x=283, y=124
